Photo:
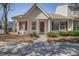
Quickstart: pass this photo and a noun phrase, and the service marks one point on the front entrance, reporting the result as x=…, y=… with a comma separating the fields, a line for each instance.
x=41, y=27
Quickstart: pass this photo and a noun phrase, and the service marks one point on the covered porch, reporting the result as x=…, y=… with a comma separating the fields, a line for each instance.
x=32, y=25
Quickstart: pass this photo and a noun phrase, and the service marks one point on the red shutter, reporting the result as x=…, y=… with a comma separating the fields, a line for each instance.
x=52, y=25
x=66, y=25
x=26, y=25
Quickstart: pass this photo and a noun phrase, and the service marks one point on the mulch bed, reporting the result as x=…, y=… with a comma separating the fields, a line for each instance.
x=63, y=39
x=21, y=38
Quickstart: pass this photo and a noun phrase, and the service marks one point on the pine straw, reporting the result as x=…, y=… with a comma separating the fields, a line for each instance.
x=14, y=38
x=63, y=39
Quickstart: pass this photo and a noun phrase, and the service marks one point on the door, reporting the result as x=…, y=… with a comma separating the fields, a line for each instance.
x=41, y=26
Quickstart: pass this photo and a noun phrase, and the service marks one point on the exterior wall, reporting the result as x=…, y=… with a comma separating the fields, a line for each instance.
x=62, y=10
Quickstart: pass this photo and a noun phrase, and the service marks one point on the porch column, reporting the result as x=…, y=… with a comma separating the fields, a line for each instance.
x=37, y=27
x=17, y=26
x=72, y=25
x=23, y=26
x=49, y=25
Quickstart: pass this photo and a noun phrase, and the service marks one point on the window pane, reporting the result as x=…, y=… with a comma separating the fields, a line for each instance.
x=33, y=25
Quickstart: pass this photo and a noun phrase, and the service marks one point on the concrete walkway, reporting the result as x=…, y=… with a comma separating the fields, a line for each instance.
x=42, y=38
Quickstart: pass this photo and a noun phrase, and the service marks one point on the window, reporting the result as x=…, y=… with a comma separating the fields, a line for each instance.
x=55, y=25
x=62, y=25
x=75, y=25
x=74, y=13
x=33, y=25
x=26, y=25
x=20, y=25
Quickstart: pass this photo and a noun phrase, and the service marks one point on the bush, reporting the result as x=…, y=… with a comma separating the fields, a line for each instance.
x=62, y=33
x=33, y=34
x=73, y=33
x=69, y=33
x=51, y=34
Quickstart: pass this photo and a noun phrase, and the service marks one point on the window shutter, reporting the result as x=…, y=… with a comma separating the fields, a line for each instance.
x=26, y=25
x=66, y=25
x=52, y=25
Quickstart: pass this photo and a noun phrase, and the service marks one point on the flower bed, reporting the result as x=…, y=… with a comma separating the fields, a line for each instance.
x=64, y=39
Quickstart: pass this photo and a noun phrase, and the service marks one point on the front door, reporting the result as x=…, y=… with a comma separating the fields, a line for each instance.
x=42, y=27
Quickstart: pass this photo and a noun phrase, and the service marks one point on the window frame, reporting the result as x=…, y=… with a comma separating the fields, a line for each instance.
x=55, y=24
x=59, y=25
x=33, y=25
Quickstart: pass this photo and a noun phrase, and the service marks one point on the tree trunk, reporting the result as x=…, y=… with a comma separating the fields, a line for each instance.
x=5, y=20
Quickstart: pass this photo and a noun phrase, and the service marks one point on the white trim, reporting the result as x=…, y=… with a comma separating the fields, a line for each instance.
x=36, y=5
x=37, y=26
x=49, y=25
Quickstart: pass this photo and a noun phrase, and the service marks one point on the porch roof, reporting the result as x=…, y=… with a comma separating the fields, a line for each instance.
x=58, y=16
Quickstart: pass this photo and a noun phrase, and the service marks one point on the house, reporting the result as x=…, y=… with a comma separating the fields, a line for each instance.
x=70, y=10
x=37, y=20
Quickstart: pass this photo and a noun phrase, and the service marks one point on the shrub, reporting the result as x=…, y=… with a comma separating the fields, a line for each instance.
x=51, y=34
x=33, y=34
x=73, y=33
x=69, y=33
x=62, y=33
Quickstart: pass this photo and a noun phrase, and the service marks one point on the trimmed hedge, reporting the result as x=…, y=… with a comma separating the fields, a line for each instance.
x=51, y=34
x=69, y=33
x=33, y=34
x=73, y=33
x=62, y=33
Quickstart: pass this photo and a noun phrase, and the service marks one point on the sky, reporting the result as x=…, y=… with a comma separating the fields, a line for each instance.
x=21, y=8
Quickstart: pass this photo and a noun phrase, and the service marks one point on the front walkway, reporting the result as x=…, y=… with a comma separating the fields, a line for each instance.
x=41, y=38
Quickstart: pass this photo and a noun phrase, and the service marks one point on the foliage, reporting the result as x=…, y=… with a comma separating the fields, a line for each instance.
x=51, y=34
x=73, y=33
x=69, y=33
x=62, y=33
x=33, y=34
x=6, y=7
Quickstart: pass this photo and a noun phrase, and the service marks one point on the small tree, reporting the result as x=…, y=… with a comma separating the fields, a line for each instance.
x=6, y=7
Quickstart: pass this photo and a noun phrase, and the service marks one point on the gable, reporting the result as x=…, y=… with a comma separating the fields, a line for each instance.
x=36, y=13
